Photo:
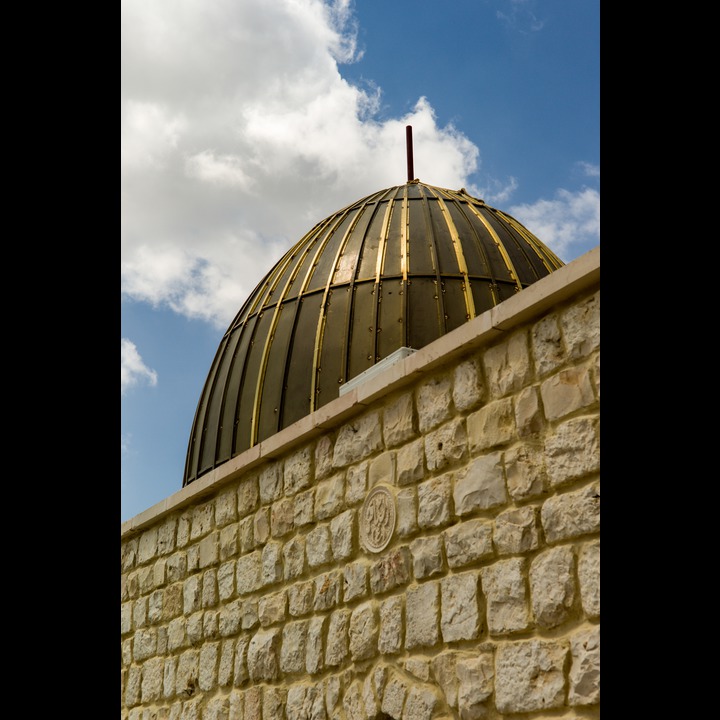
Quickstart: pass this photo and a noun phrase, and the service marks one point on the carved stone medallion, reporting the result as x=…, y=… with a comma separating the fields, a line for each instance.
x=377, y=519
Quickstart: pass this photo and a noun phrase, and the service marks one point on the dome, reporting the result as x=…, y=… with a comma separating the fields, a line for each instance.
x=396, y=269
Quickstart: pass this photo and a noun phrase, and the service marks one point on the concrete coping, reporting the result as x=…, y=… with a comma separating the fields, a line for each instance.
x=569, y=281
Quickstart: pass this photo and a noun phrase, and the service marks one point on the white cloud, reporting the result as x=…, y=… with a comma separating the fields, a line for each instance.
x=568, y=221
x=239, y=134
x=132, y=368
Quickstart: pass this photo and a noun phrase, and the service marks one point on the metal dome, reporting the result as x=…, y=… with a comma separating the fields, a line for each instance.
x=399, y=268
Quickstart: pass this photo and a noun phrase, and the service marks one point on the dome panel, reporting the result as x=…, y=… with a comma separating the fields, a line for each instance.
x=399, y=268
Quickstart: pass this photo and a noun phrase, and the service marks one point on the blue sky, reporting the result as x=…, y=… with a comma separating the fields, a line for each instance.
x=245, y=122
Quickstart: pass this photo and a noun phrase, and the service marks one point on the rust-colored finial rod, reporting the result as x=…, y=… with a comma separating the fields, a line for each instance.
x=408, y=138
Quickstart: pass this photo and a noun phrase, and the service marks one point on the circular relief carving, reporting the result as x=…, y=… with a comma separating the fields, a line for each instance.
x=377, y=518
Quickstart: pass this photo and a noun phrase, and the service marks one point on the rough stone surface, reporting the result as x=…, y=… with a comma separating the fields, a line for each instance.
x=460, y=619
x=572, y=514
x=507, y=365
x=467, y=542
x=398, y=420
x=529, y=676
x=446, y=445
x=390, y=639
x=468, y=386
x=516, y=531
x=262, y=655
x=552, y=586
x=410, y=462
x=434, y=502
x=427, y=555
x=503, y=584
x=434, y=402
x=567, y=392
x=423, y=614
x=525, y=471
x=481, y=486
x=391, y=571
x=491, y=426
x=363, y=632
x=584, y=678
x=358, y=439
x=573, y=451
x=476, y=675
x=589, y=579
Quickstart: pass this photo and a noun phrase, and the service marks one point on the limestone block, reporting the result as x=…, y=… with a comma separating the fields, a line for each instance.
x=363, y=632
x=248, y=494
x=369, y=694
x=158, y=569
x=427, y=556
x=186, y=677
x=152, y=680
x=390, y=638
x=394, y=695
x=176, y=567
x=352, y=703
x=356, y=483
x=209, y=589
x=248, y=572
x=126, y=651
x=507, y=365
x=420, y=704
x=162, y=642
x=327, y=590
x=202, y=520
x=317, y=546
x=460, y=618
x=210, y=624
x=235, y=706
x=226, y=580
x=355, y=577
x=282, y=517
x=132, y=686
x=422, y=608
x=246, y=533
x=516, y=531
x=226, y=662
x=249, y=613
x=323, y=457
x=443, y=669
x=226, y=507
x=468, y=542
x=580, y=325
x=272, y=569
x=358, y=439
x=194, y=628
x=253, y=703
x=552, y=586
x=128, y=553
x=230, y=618
x=270, y=483
x=147, y=545
x=584, y=678
x=571, y=514
x=503, y=585
x=272, y=608
x=342, y=535
x=336, y=649
x=229, y=541
x=169, y=670
x=294, y=557
x=525, y=471
x=126, y=615
x=217, y=708
x=144, y=643
x=491, y=426
x=300, y=598
x=333, y=689
x=146, y=579
x=315, y=655
x=183, y=529
x=419, y=667
x=329, y=497
x=589, y=579
x=399, y=420
x=410, y=462
x=481, y=485
x=529, y=676
x=434, y=402
x=406, y=518
x=573, y=451
x=292, y=653
x=468, y=385
x=547, y=345
x=304, y=508
x=209, y=654
x=434, y=502
x=262, y=655
x=208, y=551
x=529, y=419
x=300, y=701
x=177, y=637
x=240, y=669
x=475, y=684
x=381, y=469
x=567, y=392
x=261, y=526
x=298, y=471
x=446, y=445
x=391, y=571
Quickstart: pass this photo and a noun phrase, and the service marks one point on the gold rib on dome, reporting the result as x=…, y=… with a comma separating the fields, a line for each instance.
x=398, y=268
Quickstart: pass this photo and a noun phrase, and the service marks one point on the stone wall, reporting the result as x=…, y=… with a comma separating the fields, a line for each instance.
x=433, y=553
